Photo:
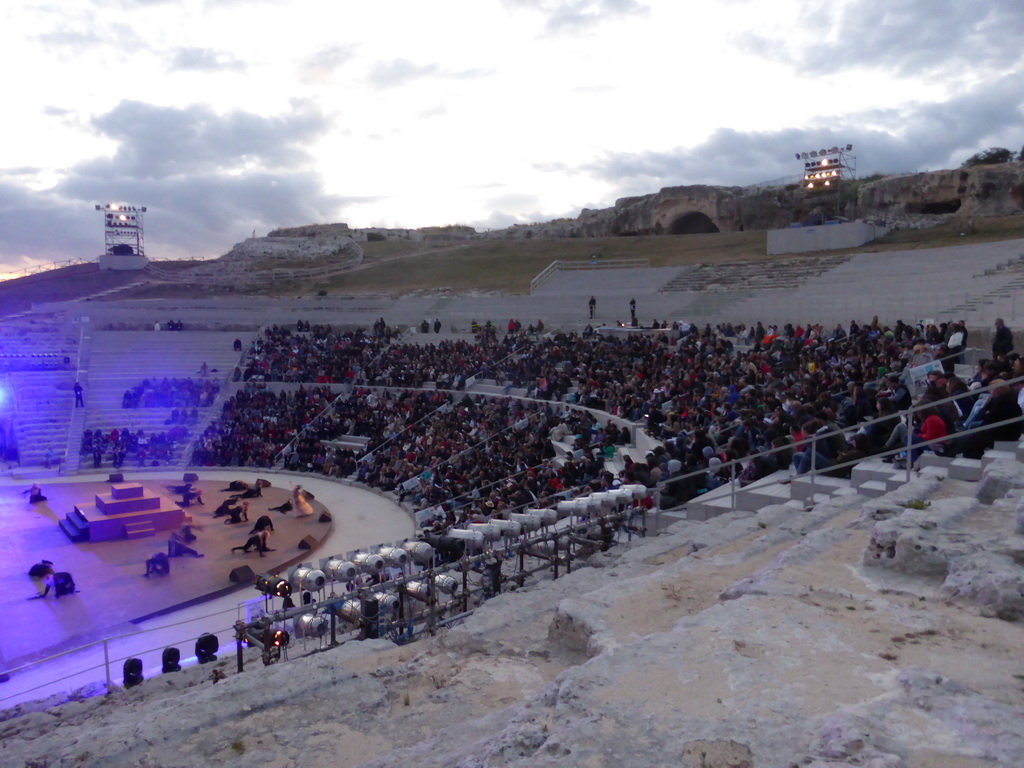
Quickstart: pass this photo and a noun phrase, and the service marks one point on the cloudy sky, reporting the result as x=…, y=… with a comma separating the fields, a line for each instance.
x=229, y=116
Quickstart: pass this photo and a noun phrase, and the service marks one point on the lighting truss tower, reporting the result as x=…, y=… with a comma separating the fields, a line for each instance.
x=824, y=172
x=122, y=229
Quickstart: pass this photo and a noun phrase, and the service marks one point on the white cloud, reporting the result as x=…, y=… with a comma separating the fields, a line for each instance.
x=224, y=116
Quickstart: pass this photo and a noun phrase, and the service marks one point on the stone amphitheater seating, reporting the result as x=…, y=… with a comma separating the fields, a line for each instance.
x=752, y=275
x=119, y=360
x=870, y=478
x=33, y=352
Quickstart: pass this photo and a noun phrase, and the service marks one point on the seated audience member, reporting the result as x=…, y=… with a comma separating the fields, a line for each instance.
x=860, y=449
x=1000, y=406
x=758, y=467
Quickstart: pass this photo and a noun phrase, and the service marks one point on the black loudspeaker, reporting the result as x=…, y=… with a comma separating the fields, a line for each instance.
x=132, y=671
x=116, y=477
x=243, y=574
x=190, y=477
x=325, y=517
x=371, y=617
x=308, y=542
x=171, y=660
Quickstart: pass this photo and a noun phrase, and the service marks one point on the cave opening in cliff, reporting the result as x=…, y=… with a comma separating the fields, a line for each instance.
x=693, y=223
x=935, y=208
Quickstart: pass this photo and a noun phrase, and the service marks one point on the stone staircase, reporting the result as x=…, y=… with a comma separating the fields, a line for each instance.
x=870, y=478
x=752, y=275
x=121, y=360
x=1000, y=282
x=38, y=359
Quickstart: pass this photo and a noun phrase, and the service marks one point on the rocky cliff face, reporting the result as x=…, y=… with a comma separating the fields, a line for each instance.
x=857, y=633
x=317, y=246
x=988, y=190
x=912, y=200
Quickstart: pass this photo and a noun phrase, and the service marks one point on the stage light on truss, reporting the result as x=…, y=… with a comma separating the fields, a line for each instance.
x=312, y=625
x=280, y=638
x=368, y=562
x=207, y=646
x=273, y=586
x=339, y=569
x=305, y=578
x=420, y=551
x=394, y=556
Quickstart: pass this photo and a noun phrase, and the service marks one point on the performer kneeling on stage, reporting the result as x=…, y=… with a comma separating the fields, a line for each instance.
x=158, y=564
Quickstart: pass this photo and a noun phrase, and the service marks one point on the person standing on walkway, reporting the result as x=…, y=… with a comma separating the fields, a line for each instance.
x=1002, y=342
x=79, y=400
x=593, y=306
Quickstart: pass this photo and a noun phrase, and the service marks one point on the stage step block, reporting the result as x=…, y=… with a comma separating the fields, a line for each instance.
x=139, y=530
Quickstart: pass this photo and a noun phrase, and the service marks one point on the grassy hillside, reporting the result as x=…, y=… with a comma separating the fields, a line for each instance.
x=505, y=266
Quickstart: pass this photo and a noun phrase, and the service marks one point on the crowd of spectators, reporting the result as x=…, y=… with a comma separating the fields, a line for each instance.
x=172, y=393
x=122, y=446
x=708, y=395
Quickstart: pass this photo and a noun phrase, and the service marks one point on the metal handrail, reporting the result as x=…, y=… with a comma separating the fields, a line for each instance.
x=558, y=265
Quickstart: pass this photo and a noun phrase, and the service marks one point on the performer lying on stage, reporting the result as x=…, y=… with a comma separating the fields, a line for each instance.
x=35, y=494
x=178, y=541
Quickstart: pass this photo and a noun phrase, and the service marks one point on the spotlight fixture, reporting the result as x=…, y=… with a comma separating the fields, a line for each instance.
x=394, y=556
x=280, y=638
x=338, y=569
x=132, y=672
x=312, y=625
x=207, y=646
x=272, y=585
x=171, y=660
x=420, y=552
x=368, y=563
x=305, y=578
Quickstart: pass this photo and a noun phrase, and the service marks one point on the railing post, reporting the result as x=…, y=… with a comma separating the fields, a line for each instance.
x=910, y=439
x=814, y=456
x=106, y=665
x=732, y=487
x=240, y=638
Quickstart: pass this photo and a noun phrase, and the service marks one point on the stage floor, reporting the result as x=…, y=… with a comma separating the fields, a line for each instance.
x=113, y=593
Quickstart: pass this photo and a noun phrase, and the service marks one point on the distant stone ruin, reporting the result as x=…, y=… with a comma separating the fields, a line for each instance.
x=899, y=202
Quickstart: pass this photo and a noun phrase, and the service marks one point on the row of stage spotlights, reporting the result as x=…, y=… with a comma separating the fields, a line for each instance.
x=823, y=152
x=305, y=578
x=822, y=164
x=120, y=207
x=206, y=649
